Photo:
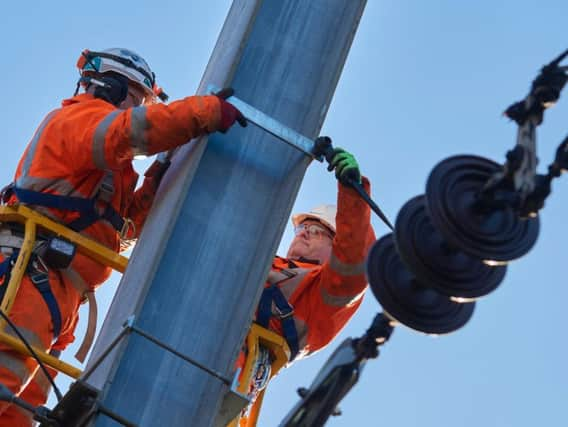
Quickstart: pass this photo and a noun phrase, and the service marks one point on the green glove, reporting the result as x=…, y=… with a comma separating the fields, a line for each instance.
x=345, y=165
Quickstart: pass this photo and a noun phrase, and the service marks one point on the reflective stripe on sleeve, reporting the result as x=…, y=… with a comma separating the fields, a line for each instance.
x=344, y=268
x=138, y=126
x=340, y=301
x=99, y=140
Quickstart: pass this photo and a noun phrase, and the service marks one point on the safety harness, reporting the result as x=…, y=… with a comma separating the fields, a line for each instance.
x=40, y=280
x=274, y=302
x=88, y=208
x=284, y=312
x=37, y=270
x=90, y=211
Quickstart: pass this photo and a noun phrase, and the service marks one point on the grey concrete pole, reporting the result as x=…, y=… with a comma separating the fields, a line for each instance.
x=196, y=275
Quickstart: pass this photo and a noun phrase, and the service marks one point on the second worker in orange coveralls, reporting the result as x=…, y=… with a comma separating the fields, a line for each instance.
x=310, y=295
x=77, y=169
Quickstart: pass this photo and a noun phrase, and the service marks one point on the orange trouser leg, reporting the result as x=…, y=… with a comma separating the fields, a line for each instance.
x=31, y=315
x=14, y=416
x=35, y=393
x=11, y=415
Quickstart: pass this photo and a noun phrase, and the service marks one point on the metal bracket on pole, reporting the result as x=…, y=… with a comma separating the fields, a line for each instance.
x=129, y=326
x=272, y=126
x=82, y=401
x=232, y=405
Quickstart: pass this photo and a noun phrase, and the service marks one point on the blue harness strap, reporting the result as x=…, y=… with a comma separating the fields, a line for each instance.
x=285, y=314
x=5, y=270
x=86, y=207
x=41, y=282
x=6, y=265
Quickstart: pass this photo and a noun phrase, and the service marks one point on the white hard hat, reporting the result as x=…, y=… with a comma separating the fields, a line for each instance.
x=124, y=62
x=323, y=213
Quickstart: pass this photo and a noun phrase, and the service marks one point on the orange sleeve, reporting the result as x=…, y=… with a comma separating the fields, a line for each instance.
x=343, y=275
x=148, y=130
x=335, y=290
x=175, y=124
x=326, y=314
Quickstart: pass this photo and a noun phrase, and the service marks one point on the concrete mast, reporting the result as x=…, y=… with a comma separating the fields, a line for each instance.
x=196, y=274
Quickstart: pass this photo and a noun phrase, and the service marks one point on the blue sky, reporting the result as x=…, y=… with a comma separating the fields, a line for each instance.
x=423, y=81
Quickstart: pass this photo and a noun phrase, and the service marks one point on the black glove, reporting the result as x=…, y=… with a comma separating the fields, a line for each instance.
x=229, y=113
x=345, y=165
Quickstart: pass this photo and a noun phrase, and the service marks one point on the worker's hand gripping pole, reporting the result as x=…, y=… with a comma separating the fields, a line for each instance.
x=323, y=147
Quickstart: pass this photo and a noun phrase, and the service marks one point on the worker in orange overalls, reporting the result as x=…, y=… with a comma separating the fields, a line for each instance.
x=310, y=295
x=77, y=170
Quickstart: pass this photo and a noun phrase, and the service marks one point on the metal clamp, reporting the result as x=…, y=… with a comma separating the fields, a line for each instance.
x=272, y=126
x=284, y=314
x=127, y=225
x=129, y=327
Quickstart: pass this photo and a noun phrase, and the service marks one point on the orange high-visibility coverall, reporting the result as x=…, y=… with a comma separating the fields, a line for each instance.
x=70, y=153
x=325, y=297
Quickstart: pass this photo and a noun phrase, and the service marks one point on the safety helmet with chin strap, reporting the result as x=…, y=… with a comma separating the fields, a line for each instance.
x=120, y=61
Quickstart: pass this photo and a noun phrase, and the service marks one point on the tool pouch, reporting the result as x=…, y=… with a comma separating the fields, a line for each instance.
x=56, y=252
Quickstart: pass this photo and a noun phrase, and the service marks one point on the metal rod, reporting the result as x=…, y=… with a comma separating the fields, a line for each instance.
x=105, y=353
x=181, y=356
x=116, y=417
x=272, y=126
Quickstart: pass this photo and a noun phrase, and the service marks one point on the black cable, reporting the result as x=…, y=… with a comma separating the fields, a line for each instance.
x=34, y=355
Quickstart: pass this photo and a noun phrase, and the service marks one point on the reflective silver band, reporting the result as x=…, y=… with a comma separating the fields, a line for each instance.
x=346, y=269
x=339, y=301
x=33, y=144
x=60, y=186
x=138, y=126
x=99, y=140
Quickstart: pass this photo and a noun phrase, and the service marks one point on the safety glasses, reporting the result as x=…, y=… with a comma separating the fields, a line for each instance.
x=313, y=230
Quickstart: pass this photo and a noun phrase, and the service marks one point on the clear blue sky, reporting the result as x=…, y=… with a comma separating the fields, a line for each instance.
x=424, y=80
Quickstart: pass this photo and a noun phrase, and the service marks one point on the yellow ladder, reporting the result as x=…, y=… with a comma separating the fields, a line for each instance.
x=276, y=344
x=33, y=221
